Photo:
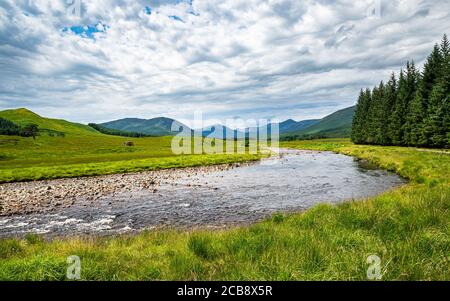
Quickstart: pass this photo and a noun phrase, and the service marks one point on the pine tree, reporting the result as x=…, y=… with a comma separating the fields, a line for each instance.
x=414, y=122
x=391, y=99
x=445, y=47
x=412, y=77
x=358, y=120
x=367, y=103
x=377, y=115
x=430, y=73
x=445, y=82
x=372, y=121
x=398, y=118
x=436, y=122
x=420, y=106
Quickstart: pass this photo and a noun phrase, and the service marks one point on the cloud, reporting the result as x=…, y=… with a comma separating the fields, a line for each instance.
x=247, y=58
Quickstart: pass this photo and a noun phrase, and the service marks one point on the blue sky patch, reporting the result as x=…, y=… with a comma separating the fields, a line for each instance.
x=86, y=31
x=148, y=10
x=187, y=1
x=176, y=18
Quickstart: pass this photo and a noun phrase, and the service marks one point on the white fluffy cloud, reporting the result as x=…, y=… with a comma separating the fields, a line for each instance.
x=247, y=58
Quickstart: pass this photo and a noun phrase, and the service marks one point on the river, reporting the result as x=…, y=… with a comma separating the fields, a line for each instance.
x=208, y=197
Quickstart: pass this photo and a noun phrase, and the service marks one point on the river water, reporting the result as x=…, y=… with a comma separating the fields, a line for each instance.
x=216, y=199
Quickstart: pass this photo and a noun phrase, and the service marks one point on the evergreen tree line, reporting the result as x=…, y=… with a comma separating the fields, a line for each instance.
x=112, y=132
x=413, y=110
x=11, y=129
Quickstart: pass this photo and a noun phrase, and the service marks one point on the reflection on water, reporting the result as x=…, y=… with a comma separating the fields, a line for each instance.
x=216, y=199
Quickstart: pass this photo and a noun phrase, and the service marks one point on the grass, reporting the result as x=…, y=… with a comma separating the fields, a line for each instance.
x=23, y=159
x=408, y=228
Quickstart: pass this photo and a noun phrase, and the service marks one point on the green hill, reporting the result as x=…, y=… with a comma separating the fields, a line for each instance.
x=24, y=117
x=155, y=127
x=290, y=126
x=338, y=124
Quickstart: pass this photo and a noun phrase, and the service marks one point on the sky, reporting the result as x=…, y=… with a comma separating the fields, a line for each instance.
x=101, y=60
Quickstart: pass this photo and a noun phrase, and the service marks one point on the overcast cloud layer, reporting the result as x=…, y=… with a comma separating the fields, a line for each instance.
x=248, y=58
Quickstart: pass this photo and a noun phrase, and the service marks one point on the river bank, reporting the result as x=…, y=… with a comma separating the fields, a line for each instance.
x=48, y=196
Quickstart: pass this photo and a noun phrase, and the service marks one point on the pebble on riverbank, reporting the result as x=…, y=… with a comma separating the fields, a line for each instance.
x=46, y=196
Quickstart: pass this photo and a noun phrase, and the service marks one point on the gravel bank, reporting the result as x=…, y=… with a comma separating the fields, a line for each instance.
x=47, y=196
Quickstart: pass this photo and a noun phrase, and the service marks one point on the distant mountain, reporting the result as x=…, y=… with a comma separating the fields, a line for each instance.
x=111, y=132
x=338, y=124
x=220, y=131
x=288, y=126
x=25, y=117
x=155, y=127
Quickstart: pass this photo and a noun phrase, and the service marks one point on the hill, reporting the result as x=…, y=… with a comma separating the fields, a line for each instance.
x=338, y=124
x=25, y=117
x=108, y=131
x=155, y=127
x=290, y=125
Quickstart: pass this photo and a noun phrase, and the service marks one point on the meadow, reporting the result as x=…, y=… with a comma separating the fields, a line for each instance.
x=407, y=228
x=25, y=159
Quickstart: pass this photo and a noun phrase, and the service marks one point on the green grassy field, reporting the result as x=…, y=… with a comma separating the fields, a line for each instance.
x=85, y=152
x=23, y=159
x=408, y=228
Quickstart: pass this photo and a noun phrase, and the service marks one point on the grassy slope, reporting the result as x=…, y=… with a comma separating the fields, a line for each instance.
x=86, y=152
x=290, y=126
x=338, y=124
x=24, y=117
x=408, y=228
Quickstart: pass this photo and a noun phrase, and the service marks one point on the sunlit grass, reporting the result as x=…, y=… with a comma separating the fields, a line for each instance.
x=47, y=157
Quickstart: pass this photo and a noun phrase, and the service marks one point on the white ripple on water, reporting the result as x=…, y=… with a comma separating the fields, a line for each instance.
x=4, y=222
x=18, y=225
x=100, y=224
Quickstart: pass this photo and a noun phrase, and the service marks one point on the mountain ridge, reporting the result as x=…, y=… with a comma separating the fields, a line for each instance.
x=159, y=126
x=334, y=125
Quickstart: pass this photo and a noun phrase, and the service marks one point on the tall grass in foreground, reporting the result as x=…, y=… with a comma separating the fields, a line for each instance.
x=408, y=228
